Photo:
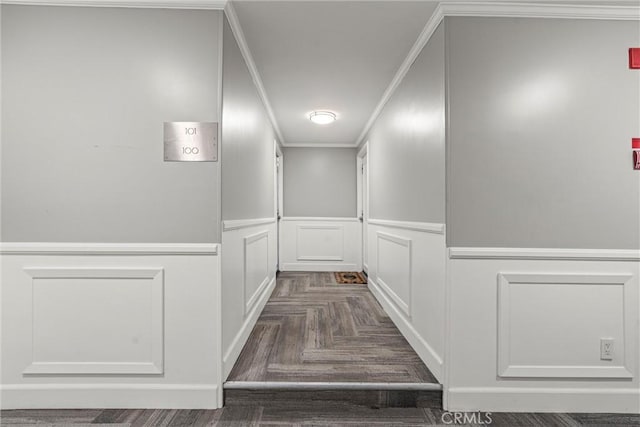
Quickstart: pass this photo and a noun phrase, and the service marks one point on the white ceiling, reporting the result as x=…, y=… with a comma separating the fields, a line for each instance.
x=338, y=55
x=328, y=55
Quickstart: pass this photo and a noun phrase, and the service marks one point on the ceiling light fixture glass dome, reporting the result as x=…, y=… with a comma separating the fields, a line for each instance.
x=322, y=117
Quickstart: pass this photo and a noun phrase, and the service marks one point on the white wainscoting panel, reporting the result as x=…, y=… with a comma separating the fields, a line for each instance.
x=257, y=273
x=523, y=331
x=407, y=276
x=320, y=244
x=121, y=331
x=113, y=324
x=393, y=269
x=248, y=278
x=531, y=326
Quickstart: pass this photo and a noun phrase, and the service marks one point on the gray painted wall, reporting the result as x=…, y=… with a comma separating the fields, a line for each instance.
x=407, y=144
x=320, y=182
x=85, y=92
x=542, y=113
x=247, y=141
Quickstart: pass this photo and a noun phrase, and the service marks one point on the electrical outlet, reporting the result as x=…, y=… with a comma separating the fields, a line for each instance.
x=606, y=348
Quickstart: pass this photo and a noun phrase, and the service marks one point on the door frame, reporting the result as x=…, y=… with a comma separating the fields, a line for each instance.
x=362, y=159
x=278, y=194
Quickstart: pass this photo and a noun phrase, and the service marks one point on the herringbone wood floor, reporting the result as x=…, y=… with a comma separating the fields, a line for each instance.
x=293, y=414
x=314, y=329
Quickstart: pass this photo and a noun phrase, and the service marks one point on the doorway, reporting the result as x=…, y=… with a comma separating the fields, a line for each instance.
x=362, y=162
x=279, y=189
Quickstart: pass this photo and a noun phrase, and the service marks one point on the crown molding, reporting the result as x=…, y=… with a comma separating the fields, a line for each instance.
x=150, y=4
x=535, y=10
x=417, y=47
x=236, y=28
x=494, y=10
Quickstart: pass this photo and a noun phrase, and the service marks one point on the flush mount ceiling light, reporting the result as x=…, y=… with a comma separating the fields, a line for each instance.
x=322, y=117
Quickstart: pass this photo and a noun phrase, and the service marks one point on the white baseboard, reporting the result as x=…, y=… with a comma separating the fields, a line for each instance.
x=511, y=399
x=314, y=266
x=231, y=356
x=421, y=347
x=82, y=396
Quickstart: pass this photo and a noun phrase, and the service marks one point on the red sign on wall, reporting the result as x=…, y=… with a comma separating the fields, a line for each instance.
x=635, y=145
x=634, y=58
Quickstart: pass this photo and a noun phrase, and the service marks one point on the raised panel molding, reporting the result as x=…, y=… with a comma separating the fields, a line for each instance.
x=320, y=244
x=398, y=263
x=46, y=277
x=248, y=279
x=313, y=242
x=252, y=261
x=509, y=369
x=407, y=277
x=112, y=325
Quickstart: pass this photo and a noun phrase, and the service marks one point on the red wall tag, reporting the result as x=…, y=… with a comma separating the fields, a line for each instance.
x=634, y=58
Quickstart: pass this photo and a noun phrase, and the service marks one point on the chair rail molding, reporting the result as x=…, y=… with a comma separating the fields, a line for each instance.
x=428, y=227
x=545, y=254
x=38, y=248
x=236, y=224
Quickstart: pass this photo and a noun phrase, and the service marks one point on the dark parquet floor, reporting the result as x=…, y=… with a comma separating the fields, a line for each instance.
x=314, y=329
x=293, y=414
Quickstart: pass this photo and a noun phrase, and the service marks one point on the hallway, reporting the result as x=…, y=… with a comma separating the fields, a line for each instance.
x=180, y=181
x=313, y=329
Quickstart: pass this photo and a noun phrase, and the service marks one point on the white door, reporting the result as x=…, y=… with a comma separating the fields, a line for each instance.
x=365, y=215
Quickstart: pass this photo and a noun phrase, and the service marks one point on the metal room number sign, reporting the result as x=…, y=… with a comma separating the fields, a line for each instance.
x=190, y=142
